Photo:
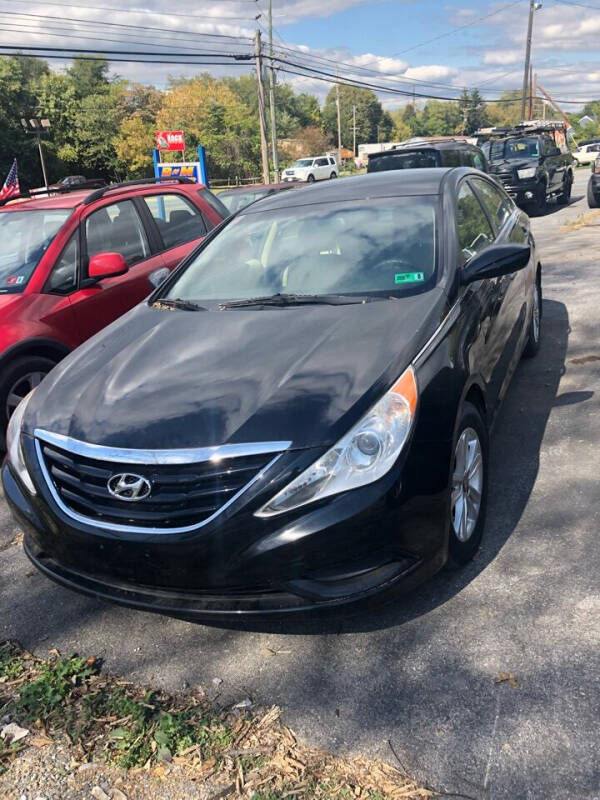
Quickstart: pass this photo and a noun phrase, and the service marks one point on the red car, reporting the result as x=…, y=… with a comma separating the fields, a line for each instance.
x=72, y=263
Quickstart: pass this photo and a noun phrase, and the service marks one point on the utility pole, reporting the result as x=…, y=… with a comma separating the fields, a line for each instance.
x=339, y=124
x=261, y=107
x=532, y=115
x=532, y=6
x=530, y=98
x=272, y=97
x=354, y=130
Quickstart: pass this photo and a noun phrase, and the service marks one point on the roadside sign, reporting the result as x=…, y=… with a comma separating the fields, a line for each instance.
x=170, y=140
x=189, y=169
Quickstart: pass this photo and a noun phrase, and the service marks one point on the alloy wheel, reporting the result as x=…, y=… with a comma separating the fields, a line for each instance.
x=21, y=388
x=467, y=484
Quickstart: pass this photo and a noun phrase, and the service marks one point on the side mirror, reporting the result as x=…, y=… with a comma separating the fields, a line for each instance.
x=497, y=260
x=158, y=276
x=106, y=265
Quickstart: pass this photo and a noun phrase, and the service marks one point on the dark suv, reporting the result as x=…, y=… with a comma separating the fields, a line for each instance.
x=532, y=169
x=593, y=188
x=429, y=153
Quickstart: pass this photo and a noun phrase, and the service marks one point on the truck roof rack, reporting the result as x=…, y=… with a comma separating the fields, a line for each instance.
x=115, y=187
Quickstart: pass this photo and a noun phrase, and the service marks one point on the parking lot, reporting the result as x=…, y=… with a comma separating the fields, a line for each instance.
x=429, y=674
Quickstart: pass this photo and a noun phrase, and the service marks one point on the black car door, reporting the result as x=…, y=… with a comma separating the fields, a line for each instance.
x=553, y=163
x=510, y=226
x=482, y=299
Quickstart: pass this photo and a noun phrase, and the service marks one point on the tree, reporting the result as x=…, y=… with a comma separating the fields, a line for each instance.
x=508, y=111
x=401, y=130
x=369, y=115
x=473, y=111
x=308, y=141
x=89, y=76
x=440, y=118
x=212, y=114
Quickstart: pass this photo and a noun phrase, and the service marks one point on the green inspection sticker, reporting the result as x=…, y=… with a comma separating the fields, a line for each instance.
x=409, y=277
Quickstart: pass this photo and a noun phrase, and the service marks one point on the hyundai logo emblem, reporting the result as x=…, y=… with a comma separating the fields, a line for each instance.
x=129, y=487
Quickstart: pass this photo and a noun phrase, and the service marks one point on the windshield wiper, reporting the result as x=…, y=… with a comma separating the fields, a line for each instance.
x=298, y=300
x=177, y=304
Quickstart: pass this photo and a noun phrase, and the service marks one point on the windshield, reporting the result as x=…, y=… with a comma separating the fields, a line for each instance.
x=237, y=200
x=366, y=247
x=514, y=148
x=303, y=162
x=410, y=160
x=24, y=238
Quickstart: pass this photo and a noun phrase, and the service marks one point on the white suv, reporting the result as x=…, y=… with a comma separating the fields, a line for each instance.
x=312, y=169
x=586, y=153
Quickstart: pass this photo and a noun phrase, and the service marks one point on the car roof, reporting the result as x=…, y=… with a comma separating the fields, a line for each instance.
x=393, y=183
x=418, y=146
x=69, y=200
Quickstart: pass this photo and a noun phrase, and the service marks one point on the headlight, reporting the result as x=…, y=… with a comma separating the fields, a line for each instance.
x=528, y=172
x=362, y=456
x=14, y=451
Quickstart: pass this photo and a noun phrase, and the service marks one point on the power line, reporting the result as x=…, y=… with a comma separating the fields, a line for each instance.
x=130, y=10
x=49, y=56
x=79, y=37
x=104, y=52
x=123, y=25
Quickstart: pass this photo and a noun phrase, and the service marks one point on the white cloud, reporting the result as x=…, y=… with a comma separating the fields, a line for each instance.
x=431, y=72
x=503, y=57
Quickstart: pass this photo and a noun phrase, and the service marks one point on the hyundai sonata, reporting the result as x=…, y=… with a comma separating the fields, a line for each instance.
x=298, y=417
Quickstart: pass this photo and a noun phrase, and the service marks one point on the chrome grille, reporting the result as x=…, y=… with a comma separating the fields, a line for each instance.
x=183, y=495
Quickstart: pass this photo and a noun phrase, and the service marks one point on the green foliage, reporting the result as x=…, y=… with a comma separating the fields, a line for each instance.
x=39, y=698
x=11, y=665
x=371, y=123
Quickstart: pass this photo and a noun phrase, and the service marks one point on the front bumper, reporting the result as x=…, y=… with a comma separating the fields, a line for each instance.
x=338, y=552
x=522, y=192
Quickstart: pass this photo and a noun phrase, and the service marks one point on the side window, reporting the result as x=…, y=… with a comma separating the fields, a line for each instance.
x=178, y=221
x=117, y=229
x=478, y=161
x=322, y=162
x=498, y=206
x=450, y=158
x=474, y=232
x=63, y=278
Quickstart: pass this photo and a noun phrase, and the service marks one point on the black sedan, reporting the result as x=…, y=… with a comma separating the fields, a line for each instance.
x=298, y=417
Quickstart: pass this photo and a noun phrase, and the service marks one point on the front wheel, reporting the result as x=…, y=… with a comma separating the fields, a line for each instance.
x=593, y=202
x=535, y=323
x=565, y=196
x=541, y=200
x=575, y=163
x=310, y=179
x=469, y=486
x=18, y=379
x=332, y=176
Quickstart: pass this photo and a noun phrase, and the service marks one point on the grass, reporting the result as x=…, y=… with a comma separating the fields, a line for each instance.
x=581, y=221
x=121, y=724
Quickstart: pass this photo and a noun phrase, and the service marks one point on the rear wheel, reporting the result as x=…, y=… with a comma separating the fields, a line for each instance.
x=18, y=379
x=310, y=179
x=593, y=202
x=535, y=323
x=468, y=499
x=332, y=176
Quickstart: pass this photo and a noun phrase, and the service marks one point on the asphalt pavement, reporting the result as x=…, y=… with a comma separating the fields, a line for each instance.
x=428, y=673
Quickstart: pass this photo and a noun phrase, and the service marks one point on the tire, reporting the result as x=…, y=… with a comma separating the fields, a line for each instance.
x=564, y=197
x=465, y=533
x=575, y=163
x=333, y=176
x=18, y=378
x=593, y=202
x=534, y=329
x=310, y=179
x=541, y=201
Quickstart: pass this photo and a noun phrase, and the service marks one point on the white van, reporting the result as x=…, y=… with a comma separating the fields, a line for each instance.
x=309, y=170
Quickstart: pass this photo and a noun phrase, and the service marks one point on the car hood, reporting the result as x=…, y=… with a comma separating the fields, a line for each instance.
x=162, y=379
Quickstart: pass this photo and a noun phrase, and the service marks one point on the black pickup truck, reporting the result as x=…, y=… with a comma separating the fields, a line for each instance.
x=532, y=168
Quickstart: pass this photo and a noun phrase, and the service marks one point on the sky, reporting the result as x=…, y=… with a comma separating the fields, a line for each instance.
x=415, y=46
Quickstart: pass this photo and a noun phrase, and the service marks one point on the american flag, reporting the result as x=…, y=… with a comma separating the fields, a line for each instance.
x=11, y=184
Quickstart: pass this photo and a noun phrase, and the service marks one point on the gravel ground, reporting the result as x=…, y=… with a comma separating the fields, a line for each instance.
x=425, y=673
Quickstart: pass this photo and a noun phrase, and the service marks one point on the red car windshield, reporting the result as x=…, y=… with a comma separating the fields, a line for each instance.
x=24, y=238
